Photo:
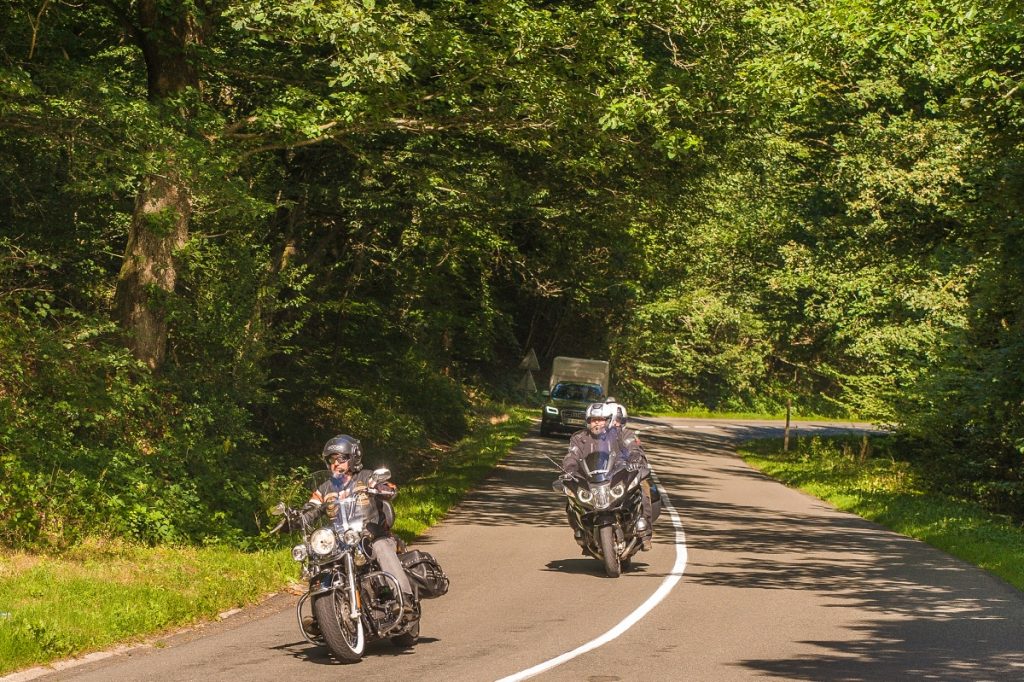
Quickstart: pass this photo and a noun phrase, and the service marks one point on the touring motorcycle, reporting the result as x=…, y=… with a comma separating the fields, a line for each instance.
x=604, y=503
x=351, y=600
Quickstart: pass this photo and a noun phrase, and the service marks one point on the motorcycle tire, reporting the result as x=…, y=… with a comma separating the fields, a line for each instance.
x=611, y=560
x=407, y=640
x=345, y=639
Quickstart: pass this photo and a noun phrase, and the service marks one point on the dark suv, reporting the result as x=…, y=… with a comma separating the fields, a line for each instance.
x=566, y=406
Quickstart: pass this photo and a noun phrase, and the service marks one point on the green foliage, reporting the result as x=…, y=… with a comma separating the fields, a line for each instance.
x=739, y=203
x=695, y=347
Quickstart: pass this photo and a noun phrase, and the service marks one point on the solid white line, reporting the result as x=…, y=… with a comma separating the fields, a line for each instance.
x=674, y=576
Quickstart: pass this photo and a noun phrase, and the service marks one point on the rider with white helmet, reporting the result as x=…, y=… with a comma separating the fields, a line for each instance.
x=606, y=433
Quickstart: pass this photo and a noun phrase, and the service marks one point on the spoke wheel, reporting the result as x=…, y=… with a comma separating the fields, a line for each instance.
x=345, y=638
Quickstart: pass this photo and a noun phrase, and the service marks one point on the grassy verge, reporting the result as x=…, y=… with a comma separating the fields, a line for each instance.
x=103, y=593
x=891, y=493
x=423, y=502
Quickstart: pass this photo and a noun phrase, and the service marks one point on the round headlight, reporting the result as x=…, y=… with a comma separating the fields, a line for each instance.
x=299, y=552
x=351, y=537
x=585, y=495
x=617, y=491
x=322, y=541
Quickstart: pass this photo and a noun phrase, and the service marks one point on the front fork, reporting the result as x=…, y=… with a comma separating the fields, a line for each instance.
x=353, y=593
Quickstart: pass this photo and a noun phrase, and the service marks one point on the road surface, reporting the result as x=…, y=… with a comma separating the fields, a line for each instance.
x=759, y=581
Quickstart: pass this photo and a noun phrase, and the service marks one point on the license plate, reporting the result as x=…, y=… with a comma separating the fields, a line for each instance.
x=574, y=422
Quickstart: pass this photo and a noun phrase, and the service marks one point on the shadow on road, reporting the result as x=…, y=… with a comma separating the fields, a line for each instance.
x=938, y=618
x=320, y=655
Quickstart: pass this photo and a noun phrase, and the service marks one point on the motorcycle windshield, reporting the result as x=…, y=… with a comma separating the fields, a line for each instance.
x=344, y=507
x=598, y=466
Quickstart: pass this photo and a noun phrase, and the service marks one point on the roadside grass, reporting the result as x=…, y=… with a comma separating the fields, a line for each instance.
x=424, y=501
x=103, y=592
x=891, y=493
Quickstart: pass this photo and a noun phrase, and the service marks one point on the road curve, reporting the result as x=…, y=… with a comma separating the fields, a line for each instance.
x=777, y=585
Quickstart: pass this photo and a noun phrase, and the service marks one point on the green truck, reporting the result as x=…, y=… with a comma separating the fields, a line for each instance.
x=575, y=383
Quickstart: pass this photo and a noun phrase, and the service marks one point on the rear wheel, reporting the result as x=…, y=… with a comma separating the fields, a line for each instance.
x=407, y=639
x=345, y=637
x=611, y=559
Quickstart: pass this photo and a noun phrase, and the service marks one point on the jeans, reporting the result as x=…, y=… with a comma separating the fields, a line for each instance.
x=385, y=552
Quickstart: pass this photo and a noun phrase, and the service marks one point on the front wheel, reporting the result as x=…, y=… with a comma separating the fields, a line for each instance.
x=611, y=559
x=345, y=637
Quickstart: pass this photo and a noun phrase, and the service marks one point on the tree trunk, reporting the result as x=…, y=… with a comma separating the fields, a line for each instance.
x=166, y=33
x=159, y=227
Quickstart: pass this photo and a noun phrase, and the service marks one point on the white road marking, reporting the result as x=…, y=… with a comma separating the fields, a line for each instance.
x=674, y=576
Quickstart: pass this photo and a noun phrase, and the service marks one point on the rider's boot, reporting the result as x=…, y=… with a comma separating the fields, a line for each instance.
x=311, y=627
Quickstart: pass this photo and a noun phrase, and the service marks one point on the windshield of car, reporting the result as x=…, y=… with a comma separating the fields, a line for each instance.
x=587, y=393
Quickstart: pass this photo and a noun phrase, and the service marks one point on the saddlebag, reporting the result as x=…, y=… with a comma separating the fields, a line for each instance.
x=424, y=570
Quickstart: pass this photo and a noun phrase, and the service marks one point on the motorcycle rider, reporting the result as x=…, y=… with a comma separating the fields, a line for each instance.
x=627, y=437
x=343, y=455
x=603, y=435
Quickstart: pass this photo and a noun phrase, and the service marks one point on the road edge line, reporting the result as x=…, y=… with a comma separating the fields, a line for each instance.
x=674, y=576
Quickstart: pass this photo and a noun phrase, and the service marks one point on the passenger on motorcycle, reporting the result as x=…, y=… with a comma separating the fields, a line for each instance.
x=606, y=433
x=343, y=455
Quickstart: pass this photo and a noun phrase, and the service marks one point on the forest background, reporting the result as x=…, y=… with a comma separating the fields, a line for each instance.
x=231, y=229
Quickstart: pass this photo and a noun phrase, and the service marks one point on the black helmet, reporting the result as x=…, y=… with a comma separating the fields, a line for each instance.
x=346, y=446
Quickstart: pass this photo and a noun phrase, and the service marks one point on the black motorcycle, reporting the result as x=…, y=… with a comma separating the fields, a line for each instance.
x=352, y=601
x=605, y=508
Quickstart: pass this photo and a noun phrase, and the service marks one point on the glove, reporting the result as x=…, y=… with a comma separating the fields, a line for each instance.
x=568, y=476
x=386, y=490
x=634, y=462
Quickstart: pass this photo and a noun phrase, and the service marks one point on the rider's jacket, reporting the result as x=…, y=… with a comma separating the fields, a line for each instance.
x=614, y=444
x=324, y=499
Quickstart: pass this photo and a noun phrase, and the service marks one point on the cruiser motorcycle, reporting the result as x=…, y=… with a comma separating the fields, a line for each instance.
x=605, y=509
x=353, y=601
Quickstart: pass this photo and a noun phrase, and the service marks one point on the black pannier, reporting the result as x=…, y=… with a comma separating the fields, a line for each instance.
x=424, y=570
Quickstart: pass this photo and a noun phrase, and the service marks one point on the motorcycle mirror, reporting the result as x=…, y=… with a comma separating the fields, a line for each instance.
x=380, y=475
x=278, y=509
x=558, y=486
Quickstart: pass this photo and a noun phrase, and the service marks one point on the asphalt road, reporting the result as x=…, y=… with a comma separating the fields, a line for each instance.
x=759, y=582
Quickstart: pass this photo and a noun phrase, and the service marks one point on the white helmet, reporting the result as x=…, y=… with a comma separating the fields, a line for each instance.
x=600, y=411
x=620, y=410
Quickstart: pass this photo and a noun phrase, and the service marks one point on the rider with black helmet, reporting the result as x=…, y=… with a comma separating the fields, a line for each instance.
x=343, y=456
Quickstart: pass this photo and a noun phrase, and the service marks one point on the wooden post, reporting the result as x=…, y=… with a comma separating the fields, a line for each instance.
x=785, y=438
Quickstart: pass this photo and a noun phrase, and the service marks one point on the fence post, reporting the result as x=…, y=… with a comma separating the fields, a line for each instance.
x=785, y=438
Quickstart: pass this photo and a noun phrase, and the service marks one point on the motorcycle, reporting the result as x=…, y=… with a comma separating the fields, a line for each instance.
x=351, y=599
x=605, y=507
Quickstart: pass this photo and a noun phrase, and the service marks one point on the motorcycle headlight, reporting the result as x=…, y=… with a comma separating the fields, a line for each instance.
x=551, y=410
x=322, y=541
x=299, y=552
x=351, y=537
x=617, y=491
x=584, y=495
x=601, y=496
